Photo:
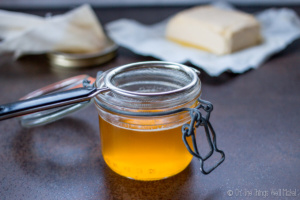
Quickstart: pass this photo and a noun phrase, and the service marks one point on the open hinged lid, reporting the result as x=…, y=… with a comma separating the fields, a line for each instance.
x=50, y=115
x=141, y=85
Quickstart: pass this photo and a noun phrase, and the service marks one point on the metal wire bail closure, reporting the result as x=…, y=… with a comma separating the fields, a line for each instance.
x=188, y=130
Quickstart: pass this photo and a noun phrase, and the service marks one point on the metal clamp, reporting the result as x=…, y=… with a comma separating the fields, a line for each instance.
x=188, y=130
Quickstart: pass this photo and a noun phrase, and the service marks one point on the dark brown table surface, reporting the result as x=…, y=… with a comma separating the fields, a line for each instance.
x=256, y=116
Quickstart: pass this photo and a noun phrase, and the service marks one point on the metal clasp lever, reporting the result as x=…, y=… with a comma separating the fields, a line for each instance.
x=188, y=130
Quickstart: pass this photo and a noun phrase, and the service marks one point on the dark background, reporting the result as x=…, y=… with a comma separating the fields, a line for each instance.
x=256, y=117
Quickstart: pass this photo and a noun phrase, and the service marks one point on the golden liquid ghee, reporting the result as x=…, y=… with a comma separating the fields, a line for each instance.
x=143, y=154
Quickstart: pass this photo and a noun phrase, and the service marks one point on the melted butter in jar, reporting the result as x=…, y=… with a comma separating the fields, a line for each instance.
x=143, y=154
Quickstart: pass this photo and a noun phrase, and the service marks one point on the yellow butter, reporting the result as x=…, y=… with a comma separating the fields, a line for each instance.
x=214, y=30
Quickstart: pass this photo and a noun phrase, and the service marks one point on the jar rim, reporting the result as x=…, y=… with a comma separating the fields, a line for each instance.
x=186, y=81
x=170, y=65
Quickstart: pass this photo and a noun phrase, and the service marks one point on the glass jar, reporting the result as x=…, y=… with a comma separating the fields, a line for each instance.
x=148, y=113
x=147, y=147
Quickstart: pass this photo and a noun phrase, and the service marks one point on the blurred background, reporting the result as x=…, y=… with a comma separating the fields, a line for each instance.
x=111, y=3
x=256, y=117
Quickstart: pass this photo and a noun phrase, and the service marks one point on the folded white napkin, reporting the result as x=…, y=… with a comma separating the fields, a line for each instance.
x=279, y=28
x=76, y=31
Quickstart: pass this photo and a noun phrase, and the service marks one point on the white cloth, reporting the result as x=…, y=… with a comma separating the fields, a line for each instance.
x=279, y=28
x=76, y=31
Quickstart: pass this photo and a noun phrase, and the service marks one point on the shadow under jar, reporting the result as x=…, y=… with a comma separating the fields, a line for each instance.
x=146, y=147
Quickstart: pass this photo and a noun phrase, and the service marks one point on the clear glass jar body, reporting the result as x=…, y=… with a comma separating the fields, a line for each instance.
x=145, y=147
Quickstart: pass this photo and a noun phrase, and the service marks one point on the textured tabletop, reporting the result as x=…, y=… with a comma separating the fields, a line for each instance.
x=256, y=117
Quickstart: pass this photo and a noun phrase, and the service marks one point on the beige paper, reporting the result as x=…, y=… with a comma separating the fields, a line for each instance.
x=279, y=28
x=76, y=31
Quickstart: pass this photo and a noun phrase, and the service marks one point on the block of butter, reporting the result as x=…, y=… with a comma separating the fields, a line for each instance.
x=214, y=30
